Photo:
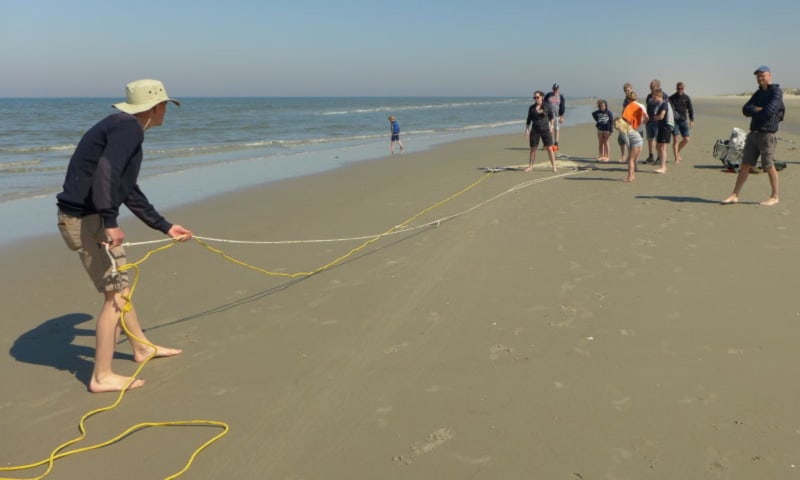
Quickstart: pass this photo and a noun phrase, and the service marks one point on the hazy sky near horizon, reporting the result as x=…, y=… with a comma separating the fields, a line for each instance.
x=54, y=48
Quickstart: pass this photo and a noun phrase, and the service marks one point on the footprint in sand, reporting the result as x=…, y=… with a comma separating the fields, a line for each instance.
x=434, y=441
x=395, y=348
x=500, y=350
x=382, y=413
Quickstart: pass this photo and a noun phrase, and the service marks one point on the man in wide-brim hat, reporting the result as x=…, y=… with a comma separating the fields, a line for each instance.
x=101, y=176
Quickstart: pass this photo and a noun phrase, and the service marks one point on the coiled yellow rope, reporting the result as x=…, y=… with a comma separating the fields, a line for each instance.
x=58, y=451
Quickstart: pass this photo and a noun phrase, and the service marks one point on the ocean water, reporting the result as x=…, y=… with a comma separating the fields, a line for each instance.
x=210, y=146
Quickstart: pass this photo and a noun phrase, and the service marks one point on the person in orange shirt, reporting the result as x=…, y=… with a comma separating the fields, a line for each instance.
x=635, y=113
x=627, y=124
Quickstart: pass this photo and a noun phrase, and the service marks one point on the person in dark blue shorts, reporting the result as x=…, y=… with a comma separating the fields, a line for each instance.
x=684, y=119
x=395, y=129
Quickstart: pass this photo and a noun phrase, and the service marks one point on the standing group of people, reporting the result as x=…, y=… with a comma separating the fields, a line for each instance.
x=660, y=119
x=673, y=117
x=663, y=119
x=669, y=117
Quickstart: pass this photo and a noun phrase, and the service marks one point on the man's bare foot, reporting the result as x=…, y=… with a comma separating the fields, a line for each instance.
x=731, y=200
x=629, y=179
x=529, y=169
x=555, y=169
x=114, y=383
x=770, y=201
x=140, y=355
x=660, y=170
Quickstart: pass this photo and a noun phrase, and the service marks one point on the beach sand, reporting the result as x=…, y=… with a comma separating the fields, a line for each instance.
x=558, y=326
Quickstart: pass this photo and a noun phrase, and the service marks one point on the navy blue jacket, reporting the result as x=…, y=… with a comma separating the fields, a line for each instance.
x=604, y=120
x=771, y=100
x=103, y=174
x=539, y=122
x=682, y=106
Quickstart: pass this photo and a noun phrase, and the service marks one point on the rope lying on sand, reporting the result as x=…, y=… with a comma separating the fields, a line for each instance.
x=403, y=227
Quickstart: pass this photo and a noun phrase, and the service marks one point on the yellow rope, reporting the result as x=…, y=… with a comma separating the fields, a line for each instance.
x=57, y=453
x=353, y=251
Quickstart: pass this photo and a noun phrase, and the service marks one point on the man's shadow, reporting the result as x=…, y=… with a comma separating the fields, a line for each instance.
x=52, y=344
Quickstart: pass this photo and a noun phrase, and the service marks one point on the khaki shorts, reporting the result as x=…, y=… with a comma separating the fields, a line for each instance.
x=760, y=143
x=84, y=236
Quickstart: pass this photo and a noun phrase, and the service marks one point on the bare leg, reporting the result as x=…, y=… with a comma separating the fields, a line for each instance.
x=744, y=172
x=531, y=159
x=773, y=182
x=633, y=157
x=552, y=154
x=600, y=157
x=661, y=149
x=103, y=378
x=142, y=351
x=675, y=152
x=108, y=329
x=683, y=143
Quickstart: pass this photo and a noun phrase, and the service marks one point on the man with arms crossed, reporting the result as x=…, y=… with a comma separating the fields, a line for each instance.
x=765, y=109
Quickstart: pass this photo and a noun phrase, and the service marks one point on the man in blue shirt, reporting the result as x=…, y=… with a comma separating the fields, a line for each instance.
x=765, y=109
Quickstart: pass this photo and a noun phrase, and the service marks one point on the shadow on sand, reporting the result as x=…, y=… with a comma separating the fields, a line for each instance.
x=51, y=344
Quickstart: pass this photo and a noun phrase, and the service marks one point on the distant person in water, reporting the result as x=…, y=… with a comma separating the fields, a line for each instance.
x=395, y=129
x=101, y=176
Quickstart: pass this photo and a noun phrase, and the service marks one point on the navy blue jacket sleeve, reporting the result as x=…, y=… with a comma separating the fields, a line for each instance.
x=141, y=207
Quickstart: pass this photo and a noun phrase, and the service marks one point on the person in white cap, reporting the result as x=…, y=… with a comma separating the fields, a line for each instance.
x=101, y=176
x=765, y=109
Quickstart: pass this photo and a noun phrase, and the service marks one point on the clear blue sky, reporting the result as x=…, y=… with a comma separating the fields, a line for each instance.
x=374, y=47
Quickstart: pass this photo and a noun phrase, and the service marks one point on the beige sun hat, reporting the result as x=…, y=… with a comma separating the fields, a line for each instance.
x=142, y=95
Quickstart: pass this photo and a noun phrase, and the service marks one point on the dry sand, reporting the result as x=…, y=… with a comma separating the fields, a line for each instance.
x=573, y=327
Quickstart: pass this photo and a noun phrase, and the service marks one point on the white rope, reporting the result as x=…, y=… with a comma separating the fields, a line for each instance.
x=436, y=222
